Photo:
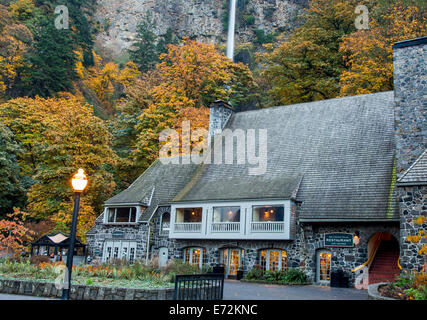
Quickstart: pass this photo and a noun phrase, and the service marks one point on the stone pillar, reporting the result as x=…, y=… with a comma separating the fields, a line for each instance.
x=219, y=114
x=410, y=91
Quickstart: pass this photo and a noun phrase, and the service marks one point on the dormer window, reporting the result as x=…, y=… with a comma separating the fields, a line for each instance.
x=121, y=215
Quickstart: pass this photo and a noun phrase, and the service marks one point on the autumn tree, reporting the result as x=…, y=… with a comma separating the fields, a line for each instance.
x=59, y=136
x=188, y=79
x=15, y=39
x=14, y=235
x=369, y=53
x=306, y=65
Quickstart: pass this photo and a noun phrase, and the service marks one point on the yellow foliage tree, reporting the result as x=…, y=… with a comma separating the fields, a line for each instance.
x=60, y=135
x=369, y=52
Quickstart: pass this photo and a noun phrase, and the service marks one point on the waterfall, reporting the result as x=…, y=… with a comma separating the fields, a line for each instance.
x=231, y=27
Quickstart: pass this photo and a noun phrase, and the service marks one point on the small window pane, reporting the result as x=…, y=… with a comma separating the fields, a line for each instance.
x=226, y=214
x=189, y=215
x=132, y=214
x=110, y=214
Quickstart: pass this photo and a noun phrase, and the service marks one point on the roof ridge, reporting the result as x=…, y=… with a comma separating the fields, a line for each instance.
x=317, y=101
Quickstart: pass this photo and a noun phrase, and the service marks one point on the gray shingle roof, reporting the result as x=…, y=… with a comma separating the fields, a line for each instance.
x=156, y=186
x=342, y=148
x=416, y=173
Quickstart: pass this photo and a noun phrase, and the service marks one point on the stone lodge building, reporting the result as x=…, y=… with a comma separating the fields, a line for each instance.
x=345, y=180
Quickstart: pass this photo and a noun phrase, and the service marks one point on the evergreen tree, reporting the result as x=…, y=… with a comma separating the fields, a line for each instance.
x=12, y=183
x=144, y=50
x=52, y=61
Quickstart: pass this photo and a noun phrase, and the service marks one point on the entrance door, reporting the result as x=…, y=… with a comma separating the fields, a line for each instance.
x=163, y=256
x=324, y=266
x=231, y=260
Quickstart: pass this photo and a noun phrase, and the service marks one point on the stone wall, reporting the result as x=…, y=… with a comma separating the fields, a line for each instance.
x=413, y=203
x=82, y=292
x=410, y=90
x=198, y=19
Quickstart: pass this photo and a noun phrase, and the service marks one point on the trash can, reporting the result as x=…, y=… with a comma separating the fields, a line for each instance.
x=218, y=269
x=336, y=278
x=344, y=280
x=239, y=275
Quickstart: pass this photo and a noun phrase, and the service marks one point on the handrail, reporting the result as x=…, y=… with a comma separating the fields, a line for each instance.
x=398, y=263
x=371, y=256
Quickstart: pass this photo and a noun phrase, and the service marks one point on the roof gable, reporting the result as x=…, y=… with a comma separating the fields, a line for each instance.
x=416, y=173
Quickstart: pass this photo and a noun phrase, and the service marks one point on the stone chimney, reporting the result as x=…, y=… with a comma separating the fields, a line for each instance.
x=410, y=94
x=219, y=114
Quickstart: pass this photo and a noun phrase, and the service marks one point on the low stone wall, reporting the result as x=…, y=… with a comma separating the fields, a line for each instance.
x=373, y=293
x=82, y=292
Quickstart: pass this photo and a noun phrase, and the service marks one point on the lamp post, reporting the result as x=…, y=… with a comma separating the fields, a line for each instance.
x=79, y=183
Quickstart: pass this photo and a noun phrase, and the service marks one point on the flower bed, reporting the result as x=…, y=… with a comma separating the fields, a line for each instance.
x=288, y=277
x=408, y=286
x=118, y=274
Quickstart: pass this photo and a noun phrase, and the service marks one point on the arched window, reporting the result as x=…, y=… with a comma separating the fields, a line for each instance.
x=165, y=223
x=194, y=256
x=273, y=260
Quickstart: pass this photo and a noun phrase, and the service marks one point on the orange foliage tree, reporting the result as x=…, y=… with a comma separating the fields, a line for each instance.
x=14, y=235
x=187, y=80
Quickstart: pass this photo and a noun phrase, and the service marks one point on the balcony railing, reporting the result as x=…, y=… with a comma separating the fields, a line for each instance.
x=188, y=227
x=225, y=227
x=268, y=226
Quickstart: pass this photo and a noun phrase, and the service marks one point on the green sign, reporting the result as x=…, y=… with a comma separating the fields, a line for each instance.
x=339, y=240
x=118, y=234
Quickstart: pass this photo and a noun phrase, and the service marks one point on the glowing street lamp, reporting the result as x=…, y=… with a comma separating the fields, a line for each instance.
x=79, y=183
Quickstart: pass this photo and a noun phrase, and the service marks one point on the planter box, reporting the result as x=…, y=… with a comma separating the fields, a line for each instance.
x=82, y=292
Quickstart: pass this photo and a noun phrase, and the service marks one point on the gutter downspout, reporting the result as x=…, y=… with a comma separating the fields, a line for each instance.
x=148, y=243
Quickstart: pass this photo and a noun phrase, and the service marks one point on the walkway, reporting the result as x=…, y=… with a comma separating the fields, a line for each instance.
x=235, y=290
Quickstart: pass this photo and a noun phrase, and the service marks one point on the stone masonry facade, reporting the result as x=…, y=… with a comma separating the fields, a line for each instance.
x=301, y=252
x=413, y=204
x=410, y=83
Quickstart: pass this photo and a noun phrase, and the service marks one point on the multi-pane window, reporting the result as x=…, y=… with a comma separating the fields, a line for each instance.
x=273, y=260
x=121, y=215
x=165, y=224
x=194, y=256
x=120, y=249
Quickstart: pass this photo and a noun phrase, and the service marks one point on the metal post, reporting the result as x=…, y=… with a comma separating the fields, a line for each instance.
x=70, y=253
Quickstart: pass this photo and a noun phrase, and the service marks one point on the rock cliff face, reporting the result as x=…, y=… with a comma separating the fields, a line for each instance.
x=205, y=20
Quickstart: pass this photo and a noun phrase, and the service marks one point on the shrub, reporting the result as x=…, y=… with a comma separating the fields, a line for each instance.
x=256, y=273
x=295, y=276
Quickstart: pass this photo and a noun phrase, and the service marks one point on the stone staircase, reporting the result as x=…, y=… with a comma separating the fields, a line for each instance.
x=384, y=267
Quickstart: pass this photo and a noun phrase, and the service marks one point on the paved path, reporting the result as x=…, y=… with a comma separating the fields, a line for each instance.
x=18, y=297
x=235, y=290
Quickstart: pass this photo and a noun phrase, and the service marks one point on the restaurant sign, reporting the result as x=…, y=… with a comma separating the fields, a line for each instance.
x=339, y=240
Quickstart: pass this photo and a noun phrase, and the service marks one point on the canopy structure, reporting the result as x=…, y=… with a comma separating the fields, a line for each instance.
x=49, y=244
